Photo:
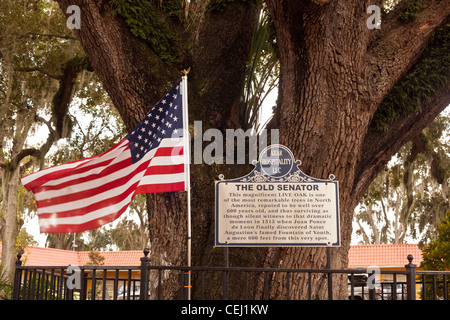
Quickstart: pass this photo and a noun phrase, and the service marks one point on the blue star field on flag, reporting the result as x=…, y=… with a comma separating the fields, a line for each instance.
x=164, y=120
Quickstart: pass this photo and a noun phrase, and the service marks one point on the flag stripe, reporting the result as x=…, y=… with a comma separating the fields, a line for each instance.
x=100, y=166
x=91, y=199
x=93, y=179
x=84, y=194
x=89, y=207
x=89, y=187
x=49, y=191
x=109, y=184
x=98, y=214
x=46, y=176
x=94, y=210
x=95, y=166
x=34, y=180
x=160, y=187
x=73, y=226
x=47, y=219
x=87, y=194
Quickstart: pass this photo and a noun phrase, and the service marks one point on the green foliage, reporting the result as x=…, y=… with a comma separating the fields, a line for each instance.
x=95, y=258
x=126, y=235
x=81, y=62
x=97, y=126
x=77, y=62
x=428, y=76
x=220, y=5
x=6, y=287
x=410, y=12
x=410, y=197
x=34, y=44
x=131, y=231
x=261, y=73
x=436, y=256
x=143, y=17
x=388, y=5
x=171, y=6
x=39, y=287
x=37, y=53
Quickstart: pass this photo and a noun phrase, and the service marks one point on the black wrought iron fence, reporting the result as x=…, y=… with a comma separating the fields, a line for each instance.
x=133, y=282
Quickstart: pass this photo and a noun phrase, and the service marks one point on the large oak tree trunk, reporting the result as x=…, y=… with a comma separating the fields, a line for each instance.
x=334, y=74
x=323, y=110
x=326, y=104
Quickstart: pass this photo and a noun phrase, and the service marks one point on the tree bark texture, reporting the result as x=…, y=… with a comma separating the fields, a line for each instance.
x=329, y=94
x=10, y=224
x=334, y=74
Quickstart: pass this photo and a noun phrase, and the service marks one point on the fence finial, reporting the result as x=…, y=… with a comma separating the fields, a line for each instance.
x=146, y=252
x=18, y=261
x=410, y=258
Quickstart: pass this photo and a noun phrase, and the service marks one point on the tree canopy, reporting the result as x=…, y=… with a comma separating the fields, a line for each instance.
x=43, y=70
x=436, y=256
x=409, y=198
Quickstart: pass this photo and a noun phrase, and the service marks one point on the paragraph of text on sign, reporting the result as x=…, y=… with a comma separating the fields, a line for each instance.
x=276, y=214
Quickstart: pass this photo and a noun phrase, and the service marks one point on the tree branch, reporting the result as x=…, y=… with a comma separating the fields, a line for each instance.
x=60, y=36
x=20, y=156
x=135, y=77
x=132, y=74
x=36, y=153
x=61, y=103
x=397, y=46
x=228, y=35
x=63, y=96
x=380, y=146
x=40, y=119
x=46, y=72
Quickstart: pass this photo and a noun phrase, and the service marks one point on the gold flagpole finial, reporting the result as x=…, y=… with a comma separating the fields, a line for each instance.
x=185, y=72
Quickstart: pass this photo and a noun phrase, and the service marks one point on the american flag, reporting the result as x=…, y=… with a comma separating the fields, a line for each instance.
x=88, y=193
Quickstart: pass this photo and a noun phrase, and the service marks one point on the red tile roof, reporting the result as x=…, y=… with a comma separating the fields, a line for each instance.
x=383, y=255
x=38, y=256
x=115, y=258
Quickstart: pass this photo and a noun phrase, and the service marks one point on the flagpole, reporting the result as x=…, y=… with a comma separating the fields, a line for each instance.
x=188, y=175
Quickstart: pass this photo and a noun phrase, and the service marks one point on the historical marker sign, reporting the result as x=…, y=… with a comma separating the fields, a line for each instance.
x=276, y=204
